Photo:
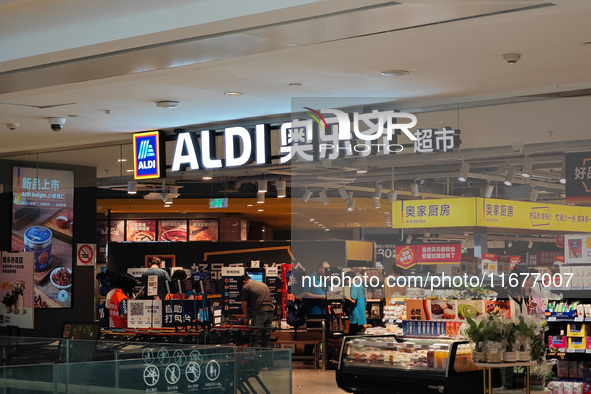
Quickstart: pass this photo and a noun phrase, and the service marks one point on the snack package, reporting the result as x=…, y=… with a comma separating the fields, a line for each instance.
x=567, y=388
x=573, y=367
x=556, y=387
x=562, y=369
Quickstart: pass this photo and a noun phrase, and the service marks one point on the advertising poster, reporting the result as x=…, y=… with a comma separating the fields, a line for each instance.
x=203, y=230
x=117, y=235
x=232, y=305
x=42, y=223
x=577, y=249
x=172, y=230
x=489, y=263
x=141, y=230
x=16, y=289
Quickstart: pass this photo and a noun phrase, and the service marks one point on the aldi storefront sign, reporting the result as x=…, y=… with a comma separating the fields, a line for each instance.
x=148, y=160
x=326, y=134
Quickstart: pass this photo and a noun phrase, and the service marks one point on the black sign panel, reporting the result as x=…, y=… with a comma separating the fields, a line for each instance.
x=578, y=176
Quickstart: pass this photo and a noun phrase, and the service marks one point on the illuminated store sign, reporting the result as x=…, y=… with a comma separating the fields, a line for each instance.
x=147, y=160
x=318, y=138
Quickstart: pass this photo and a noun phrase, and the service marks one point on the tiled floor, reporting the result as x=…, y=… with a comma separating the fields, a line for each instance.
x=308, y=380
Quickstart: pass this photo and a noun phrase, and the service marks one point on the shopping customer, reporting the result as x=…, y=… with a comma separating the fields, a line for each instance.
x=156, y=269
x=524, y=299
x=314, y=293
x=357, y=304
x=124, y=286
x=256, y=298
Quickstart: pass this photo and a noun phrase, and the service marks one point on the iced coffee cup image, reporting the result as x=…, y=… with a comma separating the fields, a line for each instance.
x=38, y=239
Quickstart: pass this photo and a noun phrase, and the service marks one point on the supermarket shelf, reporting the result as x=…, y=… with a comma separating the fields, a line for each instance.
x=568, y=319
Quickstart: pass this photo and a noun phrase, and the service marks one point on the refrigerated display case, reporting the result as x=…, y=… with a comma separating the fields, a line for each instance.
x=396, y=364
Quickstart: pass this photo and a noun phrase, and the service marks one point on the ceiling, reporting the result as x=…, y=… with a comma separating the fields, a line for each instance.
x=103, y=68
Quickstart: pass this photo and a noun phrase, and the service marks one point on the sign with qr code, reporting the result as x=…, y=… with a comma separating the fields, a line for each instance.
x=144, y=314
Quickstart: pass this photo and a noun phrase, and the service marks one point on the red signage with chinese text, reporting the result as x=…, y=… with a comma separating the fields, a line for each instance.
x=409, y=255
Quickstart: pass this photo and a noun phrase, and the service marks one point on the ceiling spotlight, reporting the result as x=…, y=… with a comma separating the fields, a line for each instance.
x=376, y=204
x=281, y=187
x=534, y=195
x=510, y=177
x=562, y=177
x=233, y=94
x=378, y=193
x=306, y=196
x=262, y=186
x=207, y=175
x=530, y=244
x=323, y=197
x=512, y=58
x=392, y=196
x=361, y=166
x=463, y=177
x=12, y=126
x=343, y=193
x=168, y=104
x=260, y=198
x=414, y=189
x=489, y=190
x=131, y=187
x=394, y=73
x=351, y=203
x=527, y=167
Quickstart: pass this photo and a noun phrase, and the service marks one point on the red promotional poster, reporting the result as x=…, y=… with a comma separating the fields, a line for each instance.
x=203, y=230
x=559, y=241
x=406, y=256
x=141, y=230
x=172, y=230
x=439, y=254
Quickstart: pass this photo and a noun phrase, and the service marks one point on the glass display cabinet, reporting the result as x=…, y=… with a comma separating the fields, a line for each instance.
x=397, y=364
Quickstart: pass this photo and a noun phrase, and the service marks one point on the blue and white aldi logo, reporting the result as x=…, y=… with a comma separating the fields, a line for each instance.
x=146, y=151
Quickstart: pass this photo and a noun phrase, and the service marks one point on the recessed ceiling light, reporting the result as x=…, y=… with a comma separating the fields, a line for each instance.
x=394, y=73
x=260, y=210
x=233, y=94
x=129, y=170
x=168, y=104
x=121, y=160
x=249, y=205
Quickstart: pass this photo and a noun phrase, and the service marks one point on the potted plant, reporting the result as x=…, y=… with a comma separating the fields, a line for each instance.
x=474, y=331
x=539, y=373
x=9, y=300
x=494, y=338
x=524, y=334
x=510, y=354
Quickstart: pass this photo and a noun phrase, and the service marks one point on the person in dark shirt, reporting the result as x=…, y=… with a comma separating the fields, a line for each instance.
x=163, y=277
x=256, y=297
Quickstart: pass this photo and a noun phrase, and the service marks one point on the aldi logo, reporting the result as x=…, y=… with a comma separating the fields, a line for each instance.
x=147, y=161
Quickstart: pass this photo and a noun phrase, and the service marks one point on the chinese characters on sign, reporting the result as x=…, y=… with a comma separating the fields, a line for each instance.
x=430, y=140
x=409, y=255
x=578, y=176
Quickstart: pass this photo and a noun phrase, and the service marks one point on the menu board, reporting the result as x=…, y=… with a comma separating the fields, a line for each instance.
x=42, y=223
x=203, y=230
x=172, y=230
x=231, y=277
x=141, y=230
x=117, y=235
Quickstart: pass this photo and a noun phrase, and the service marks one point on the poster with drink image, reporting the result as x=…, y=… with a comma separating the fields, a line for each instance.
x=43, y=223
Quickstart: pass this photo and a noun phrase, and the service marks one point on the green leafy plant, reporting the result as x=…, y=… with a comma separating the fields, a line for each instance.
x=9, y=299
x=494, y=329
x=473, y=293
x=538, y=349
x=475, y=331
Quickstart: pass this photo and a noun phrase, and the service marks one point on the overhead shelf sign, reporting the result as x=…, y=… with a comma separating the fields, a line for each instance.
x=490, y=212
x=449, y=212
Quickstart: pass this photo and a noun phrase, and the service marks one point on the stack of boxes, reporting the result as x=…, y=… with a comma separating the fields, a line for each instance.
x=581, y=277
x=578, y=336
